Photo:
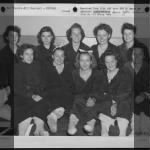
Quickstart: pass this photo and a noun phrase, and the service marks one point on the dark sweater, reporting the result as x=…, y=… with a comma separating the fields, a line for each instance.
x=89, y=88
x=70, y=54
x=58, y=87
x=43, y=54
x=100, y=59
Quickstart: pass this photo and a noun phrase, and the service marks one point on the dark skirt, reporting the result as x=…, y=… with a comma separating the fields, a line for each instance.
x=84, y=113
x=59, y=98
x=27, y=107
x=123, y=109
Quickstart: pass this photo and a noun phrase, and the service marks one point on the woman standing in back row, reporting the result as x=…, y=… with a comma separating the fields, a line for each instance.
x=103, y=33
x=46, y=38
x=129, y=41
x=75, y=35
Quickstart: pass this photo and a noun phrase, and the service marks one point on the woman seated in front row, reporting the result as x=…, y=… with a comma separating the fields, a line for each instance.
x=58, y=88
x=29, y=104
x=140, y=72
x=86, y=88
x=116, y=94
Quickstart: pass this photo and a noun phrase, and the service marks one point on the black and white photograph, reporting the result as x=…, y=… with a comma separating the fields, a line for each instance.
x=75, y=75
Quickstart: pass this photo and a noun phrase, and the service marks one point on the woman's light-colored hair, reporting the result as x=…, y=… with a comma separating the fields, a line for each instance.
x=93, y=64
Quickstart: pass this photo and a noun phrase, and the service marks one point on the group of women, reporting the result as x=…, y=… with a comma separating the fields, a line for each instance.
x=104, y=82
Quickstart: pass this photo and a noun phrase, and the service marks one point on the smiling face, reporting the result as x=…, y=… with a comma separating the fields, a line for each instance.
x=85, y=61
x=110, y=62
x=128, y=36
x=46, y=38
x=13, y=38
x=27, y=56
x=76, y=35
x=102, y=37
x=58, y=57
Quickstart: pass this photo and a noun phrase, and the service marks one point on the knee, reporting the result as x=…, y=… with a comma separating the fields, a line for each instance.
x=106, y=119
x=122, y=121
x=38, y=120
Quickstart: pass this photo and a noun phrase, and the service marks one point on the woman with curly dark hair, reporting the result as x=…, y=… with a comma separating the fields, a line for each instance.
x=103, y=34
x=128, y=31
x=86, y=98
x=116, y=95
x=46, y=39
x=75, y=35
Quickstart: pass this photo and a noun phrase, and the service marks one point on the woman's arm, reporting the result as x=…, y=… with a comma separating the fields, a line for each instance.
x=20, y=88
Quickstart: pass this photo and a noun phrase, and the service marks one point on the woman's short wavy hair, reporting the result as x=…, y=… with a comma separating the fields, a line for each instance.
x=58, y=49
x=45, y=29
x=69, y=31
x=128, y=26
x=77, y=62
x=9, y=29
x=103, y=26
x=115, y=54
x=24, y=47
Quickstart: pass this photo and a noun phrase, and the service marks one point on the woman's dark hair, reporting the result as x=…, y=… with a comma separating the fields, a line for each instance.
x=69, y=31
x=24, y=47
x=115, y=54
x=77, y=63
x=9, y=29
x=45, y=29
x=128, y=26
x=105, y=27
x=56, y=49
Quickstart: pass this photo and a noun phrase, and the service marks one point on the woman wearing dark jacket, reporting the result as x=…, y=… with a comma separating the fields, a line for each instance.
x=28, y=95
x=116, y=95
x=103, y=33
x=8, y=57
x=58, y=87
x=46, y=39
x=140, y=73
x=75, y=35
x=86, y=88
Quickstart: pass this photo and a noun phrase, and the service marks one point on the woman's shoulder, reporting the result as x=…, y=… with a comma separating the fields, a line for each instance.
x=84, y=46
x=94, y=47
x=66, y=46
x=75, y=73
x=96, y=72
x=19, y=67
x=69, y=66
x=122, y=45
x=124, y=73
x=146, y=67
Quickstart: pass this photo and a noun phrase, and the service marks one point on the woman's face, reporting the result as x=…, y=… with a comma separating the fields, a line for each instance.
x=13, y=38
x=102, y=37
x=27, y=56
x=111, y=62
x=137, y=55
x=85, y=61
x=46, y=38
x=128, y=36
x=76, y=35
x=58, y=57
